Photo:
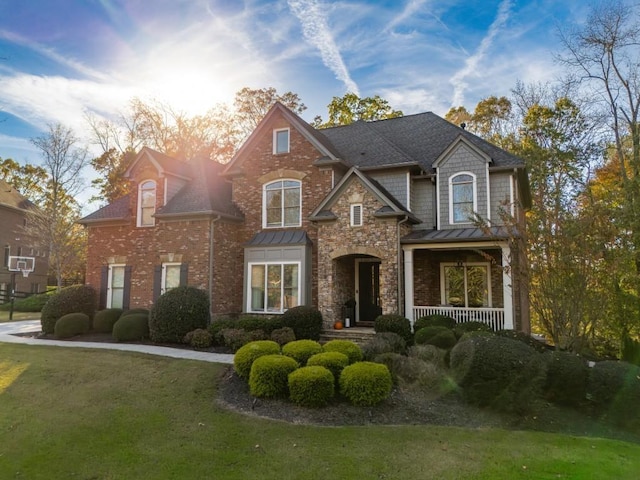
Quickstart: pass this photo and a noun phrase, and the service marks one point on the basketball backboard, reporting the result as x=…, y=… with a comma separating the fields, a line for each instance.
x=24, y=265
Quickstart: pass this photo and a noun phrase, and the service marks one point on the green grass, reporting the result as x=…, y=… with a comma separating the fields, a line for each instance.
x=83, y=414
x=4, y=316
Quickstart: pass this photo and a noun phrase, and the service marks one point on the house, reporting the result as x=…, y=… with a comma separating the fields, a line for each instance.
x=357, y=220
x=16, y=242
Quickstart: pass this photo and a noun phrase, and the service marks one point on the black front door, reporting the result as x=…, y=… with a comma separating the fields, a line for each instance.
x=368, y=291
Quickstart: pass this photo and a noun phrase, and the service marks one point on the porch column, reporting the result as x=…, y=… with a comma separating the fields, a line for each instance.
x=507, y=288
x=408, y=283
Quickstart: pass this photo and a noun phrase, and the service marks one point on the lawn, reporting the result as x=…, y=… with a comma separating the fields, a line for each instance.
x=83, y=414
x=4, y=316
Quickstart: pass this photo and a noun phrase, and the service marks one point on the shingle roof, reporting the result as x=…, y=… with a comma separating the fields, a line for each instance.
x=116, y=210
x=10, y=197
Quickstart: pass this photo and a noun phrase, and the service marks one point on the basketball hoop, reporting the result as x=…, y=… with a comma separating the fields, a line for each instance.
x=24, y=265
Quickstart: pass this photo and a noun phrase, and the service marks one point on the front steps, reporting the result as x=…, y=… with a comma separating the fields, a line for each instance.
x=357, y=335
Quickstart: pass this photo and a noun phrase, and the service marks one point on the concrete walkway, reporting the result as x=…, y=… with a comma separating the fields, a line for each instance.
x=9, y=329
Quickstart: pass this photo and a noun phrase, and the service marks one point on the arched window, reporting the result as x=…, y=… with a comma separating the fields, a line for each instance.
x=281, y=204
x=462, y=197
x=146, y=203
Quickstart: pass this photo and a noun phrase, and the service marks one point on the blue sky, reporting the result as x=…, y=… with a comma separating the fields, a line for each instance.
x=61, y=58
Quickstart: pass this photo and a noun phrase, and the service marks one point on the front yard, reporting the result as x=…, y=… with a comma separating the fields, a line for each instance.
x=109, y=415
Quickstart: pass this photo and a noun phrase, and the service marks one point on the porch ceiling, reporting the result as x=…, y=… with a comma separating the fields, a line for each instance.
x=456, y=235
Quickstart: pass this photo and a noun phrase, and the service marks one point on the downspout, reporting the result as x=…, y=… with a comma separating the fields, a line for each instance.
x=400, y=262
x=211, y=252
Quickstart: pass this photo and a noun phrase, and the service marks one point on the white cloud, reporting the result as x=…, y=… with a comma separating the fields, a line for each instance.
x=317, y=32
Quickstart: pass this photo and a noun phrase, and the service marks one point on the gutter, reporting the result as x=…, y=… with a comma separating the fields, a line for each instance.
x=400, y=262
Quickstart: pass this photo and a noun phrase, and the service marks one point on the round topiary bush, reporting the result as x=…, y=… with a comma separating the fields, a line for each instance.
x=283, y=335
x=177, y=312
x=333, y=361
x=311, y=386
x=384, y=342
x=441, y=337
x=566, y=382
x=524, y=338
x=71, y=324
x=105, y=319
x=131, y=328
x=350, y=349
x=257, y=322
x=73, y=299
x=301, y=350
x=199, y=338
x=269, y=376
x=396, y=324
x=435, y=320
x=134, y=311
x=247, y=354
x=366, y=383
x=305, y=321
x=468, y=327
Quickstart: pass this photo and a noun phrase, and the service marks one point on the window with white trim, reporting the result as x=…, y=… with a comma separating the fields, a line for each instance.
x=281, y=141
x=273, y=287
x=356, y=215
x=115, y=286
x=170, y=276
x=146, y=203
x=282, y=204
x=462, y=197
x=466, y=284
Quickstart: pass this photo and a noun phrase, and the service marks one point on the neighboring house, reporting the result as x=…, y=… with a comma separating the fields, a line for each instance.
x=15, y=241
x=376, y=213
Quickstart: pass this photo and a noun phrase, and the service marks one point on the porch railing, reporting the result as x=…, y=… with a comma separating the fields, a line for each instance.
x=494, y=317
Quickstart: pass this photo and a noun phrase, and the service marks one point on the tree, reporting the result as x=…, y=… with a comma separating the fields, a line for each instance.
x=351, y=108
x=55, y=223
x=251, y=105
x=492, y=119
x=28, y=179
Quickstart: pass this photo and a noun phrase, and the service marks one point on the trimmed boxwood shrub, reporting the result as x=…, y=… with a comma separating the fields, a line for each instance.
x=311, y=386
x=350, y=349
x=177, y=312
x=401, y=366
x=524, y=338
x=71, y=324
x=283, y=335
x=218, y=325
x=246, y=355
x=441, y=337
x=396, y=324
x=257, y=322
x=301, y=350
x=429, y=354
x=613, y=388
x=135, y=311
x=383, y=342
x=486, y=367
x=131, y=327
x=566, y=382
x=73, y=299
x=435, y=320
x=269, y=376
x=366, y=383
x=234, y=338
x=305, y=321
x=468, y=327
x=198, y=338
x=105, y=319
x=334, y=361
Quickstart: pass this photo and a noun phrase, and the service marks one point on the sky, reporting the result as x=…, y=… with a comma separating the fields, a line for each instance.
x=60, y=59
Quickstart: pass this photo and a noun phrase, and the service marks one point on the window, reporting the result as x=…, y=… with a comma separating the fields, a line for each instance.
x=356, y=215
x=462, y=198
x=115, y=286
x=466, y=285
x=281, y=141
x=281, y=202
x=170, y=276
x=146, y=203
x=274, y=287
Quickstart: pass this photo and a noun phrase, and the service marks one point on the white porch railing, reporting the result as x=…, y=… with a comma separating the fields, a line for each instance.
x=494, y=317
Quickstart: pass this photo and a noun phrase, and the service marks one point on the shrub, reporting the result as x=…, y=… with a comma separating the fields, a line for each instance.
x=134, y=311
x=256, y=322
x=566, y=382
x=105, y=319
x=428, y=354
x=400, y=366
x=477, y=333
x=301, y=350
x=396, y=324
x=246, y=355
x=218, y=325
x=71, y=324
x=198, y=338
x=537, y=345
x=32, y=303
x=613, y=389
x=383, y=342
x=486, y=368
x=131, y=327
x=283, y=335
x=350, y=349
x=305, y=321
x=366, y=383
x=333, y=361
x=177, y=312
x=630, y=350
x=73, y=299
x=311, y=386
x=269, y=376
x=441, y=337
x=234, y=338
x=435, y=320
x=468, y=327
